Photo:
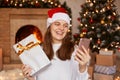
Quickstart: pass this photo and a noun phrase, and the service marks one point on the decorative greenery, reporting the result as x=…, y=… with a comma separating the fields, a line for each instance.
x=100, y=22
x=29, y=3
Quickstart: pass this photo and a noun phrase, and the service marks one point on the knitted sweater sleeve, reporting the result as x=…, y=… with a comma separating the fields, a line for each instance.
x=76, y=73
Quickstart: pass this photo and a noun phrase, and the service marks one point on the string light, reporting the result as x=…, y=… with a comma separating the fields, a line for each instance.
x=88, y=1
x=106, y=49
x=93, y=27
x=86, y=25
x=23, y=1
x=56, y=4
x=51, y=3
x=99, y=48
x=94, y=1
x=96, y=11
x=84, y=15
x=91, y=4
x=94, y=46
x=81, y=24
x=36, y=1
x=118, y=28
x=118, y=78
x=59, y=5
x=7, y=0
x=114, y=13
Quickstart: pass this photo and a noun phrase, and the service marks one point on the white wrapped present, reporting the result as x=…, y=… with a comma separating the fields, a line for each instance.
x=106, y=52
x=105, y=69
x=31, y=53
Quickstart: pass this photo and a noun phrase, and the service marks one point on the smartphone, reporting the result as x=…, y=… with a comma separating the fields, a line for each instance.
x=84, y=42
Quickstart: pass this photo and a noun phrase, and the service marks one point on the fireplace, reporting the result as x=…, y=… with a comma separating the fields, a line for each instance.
x=26, y=30
x=11, y=21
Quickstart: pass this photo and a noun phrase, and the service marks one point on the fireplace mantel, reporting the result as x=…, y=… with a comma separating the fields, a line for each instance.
x=11, y=19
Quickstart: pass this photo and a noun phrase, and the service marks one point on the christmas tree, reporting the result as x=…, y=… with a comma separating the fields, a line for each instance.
x=100, y=22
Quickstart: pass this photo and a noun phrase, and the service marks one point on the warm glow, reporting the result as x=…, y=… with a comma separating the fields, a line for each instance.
x=93, y=27
x=84, y=15
x=51, y=3
x=97, y=11
x=98, y=47
x=86, y=25
x=81, y=24
x=36, y=1
x=118, y=78
x=56, y=4
x=35, y=34
x=88, y=1
x=106, y=49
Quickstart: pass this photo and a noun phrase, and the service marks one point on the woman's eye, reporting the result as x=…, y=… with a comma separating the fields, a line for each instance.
x=66, y=26
x=57, y=24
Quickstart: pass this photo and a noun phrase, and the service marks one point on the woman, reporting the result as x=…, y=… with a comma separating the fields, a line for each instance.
x=67, y=63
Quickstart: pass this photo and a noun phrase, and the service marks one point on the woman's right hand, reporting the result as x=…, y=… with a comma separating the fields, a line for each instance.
x=26, y=70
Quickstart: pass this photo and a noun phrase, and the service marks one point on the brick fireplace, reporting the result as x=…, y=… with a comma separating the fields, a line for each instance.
x=11, y=20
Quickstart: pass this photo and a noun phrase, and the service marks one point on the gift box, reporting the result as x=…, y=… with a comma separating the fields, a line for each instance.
x=105, y=69
x=106, y=52
x=31, y=53
x=98, y=76
x=106, y=60
x=90, y=71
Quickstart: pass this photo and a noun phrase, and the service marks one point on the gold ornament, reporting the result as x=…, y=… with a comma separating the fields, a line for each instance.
x=81, y=35
x=102, y=21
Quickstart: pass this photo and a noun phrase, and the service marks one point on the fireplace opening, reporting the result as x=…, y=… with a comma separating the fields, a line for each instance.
x=26, y=30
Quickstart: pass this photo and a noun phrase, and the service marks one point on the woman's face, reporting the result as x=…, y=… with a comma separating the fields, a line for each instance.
x=59, y=29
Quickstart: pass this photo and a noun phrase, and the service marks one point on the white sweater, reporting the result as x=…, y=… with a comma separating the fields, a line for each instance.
x=61, y=70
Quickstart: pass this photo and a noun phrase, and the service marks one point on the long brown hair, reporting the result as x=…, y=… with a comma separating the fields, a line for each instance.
x=64, y=52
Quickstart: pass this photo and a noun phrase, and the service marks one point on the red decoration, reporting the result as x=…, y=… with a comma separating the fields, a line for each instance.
x=91, y=20
x=76, y=35
x=119, y=49
x=37, y=4
x=113, y=17
x=84, y=30
x=6, y=2
x=99, y=41
x=78, y=19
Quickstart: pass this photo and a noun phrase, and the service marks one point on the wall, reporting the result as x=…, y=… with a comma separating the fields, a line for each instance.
x=75, y=6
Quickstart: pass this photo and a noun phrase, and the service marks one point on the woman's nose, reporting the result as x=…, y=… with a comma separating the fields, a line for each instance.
x=61, y=27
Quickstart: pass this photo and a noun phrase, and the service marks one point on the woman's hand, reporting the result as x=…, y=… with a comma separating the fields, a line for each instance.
x=26, y=70
x=83, y=58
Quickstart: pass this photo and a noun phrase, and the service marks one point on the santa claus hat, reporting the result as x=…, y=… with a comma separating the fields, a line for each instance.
x=57, y=14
